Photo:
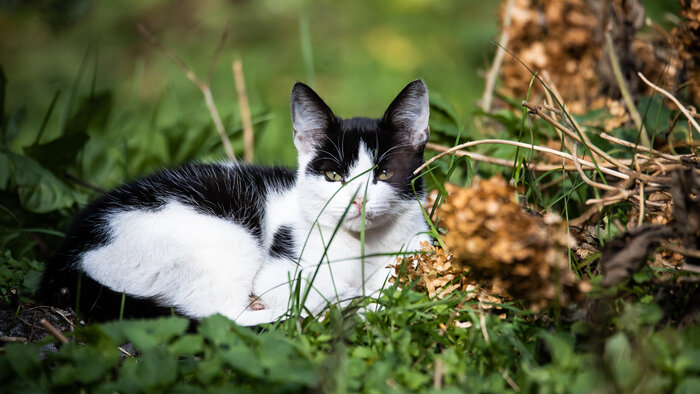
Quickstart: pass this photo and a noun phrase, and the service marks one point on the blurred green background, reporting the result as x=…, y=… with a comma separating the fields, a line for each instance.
x=357, y=55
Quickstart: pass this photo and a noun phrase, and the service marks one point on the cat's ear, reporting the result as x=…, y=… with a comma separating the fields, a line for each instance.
x=409, y=112
x=311, y=117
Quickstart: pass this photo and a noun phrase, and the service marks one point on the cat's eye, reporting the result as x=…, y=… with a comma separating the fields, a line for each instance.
x=333, y=176
x=385, y=174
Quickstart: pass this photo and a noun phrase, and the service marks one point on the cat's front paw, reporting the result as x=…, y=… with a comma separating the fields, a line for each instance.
x=254, y=303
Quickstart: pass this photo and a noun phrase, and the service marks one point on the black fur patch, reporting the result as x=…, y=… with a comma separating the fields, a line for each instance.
x=236, y=193
x=338, y=151
x=283, y=244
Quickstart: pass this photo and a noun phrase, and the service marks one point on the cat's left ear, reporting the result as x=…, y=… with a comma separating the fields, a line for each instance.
x=409, y=112
x=311, y=117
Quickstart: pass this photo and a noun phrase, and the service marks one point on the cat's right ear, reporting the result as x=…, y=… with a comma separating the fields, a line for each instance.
x=311, y=117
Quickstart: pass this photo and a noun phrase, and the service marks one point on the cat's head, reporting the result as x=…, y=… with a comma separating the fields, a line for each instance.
x=364, y=160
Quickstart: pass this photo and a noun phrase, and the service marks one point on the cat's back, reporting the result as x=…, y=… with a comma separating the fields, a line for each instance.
x=221, y=190
x=190, y=202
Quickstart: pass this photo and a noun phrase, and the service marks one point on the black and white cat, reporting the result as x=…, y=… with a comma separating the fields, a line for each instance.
x=202, y=238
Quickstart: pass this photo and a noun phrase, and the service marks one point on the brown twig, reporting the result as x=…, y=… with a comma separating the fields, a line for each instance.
x=588, y=181
x=583, y=218
x=510, y=381
x=437, y=374
x=538, y=111
x=550, y=89
x=675, y=101
x=217, y=52
x=83, y=183
x=482, y=323
x=628, y=144
x=641, y=204
x=56, y=311
x=522, y=145
x=691, y=268
x=203, y=87
x=495, y=160
x=492, y=74
x=606, y=200
x=681, y=250
x=53, y=331
x=626, y=96
x=13, y=339
x=244, y=106
x=539, y=167
x=124, y=352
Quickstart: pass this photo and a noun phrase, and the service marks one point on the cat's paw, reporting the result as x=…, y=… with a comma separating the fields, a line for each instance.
x=254, y=303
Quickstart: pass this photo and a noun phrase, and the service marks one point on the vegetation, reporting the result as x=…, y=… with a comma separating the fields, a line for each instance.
x=79, y=117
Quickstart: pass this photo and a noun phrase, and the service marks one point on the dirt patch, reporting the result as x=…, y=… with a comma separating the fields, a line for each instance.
x=24, y=325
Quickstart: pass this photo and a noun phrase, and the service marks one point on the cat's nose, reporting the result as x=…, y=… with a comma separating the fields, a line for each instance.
x=358, y=203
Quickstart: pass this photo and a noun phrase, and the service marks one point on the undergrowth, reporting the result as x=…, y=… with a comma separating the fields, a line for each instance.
x=639, y=336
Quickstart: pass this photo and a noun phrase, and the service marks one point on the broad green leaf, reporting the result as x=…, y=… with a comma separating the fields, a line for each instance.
x=24, y=360
x=39, y=190
x=187, y=345
x=560, y=347
x=242, y=359
x=63, y=151
x=618, y=356
x=83, y=364
x=688, y=385
x=146, y=333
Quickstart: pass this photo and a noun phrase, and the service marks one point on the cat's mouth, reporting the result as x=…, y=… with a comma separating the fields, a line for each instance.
x=353, y=220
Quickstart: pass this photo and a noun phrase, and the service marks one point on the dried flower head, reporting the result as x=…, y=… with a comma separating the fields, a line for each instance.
x=502, y=246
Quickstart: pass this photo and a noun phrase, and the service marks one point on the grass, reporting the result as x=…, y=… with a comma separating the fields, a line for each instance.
x=639, y=336
x=402, y=340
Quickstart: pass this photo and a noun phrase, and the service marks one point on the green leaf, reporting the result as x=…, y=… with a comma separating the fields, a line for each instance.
x=688, y=385
x=155, y=368
x=63, y=151
x=285, y=363
x=83, y=364
x=242, y=358
x=24, y=360
x=218, y=330
x=187, y=345
x=618, y=356
x=39, y=190
x=561, y=347
x=145, y=334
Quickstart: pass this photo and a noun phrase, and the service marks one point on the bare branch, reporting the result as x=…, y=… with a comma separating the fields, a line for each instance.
x=222, y=40
x=53, y=331
x=675, y=101
x=244, y=106
x=522, y=145
x=492, y=74
x=538, y=111
x=203, y=87
x=626, y=96
x=639, y=147
x=574, y=156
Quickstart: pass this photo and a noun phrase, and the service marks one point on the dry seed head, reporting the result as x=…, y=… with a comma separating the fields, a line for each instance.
x=505, y=248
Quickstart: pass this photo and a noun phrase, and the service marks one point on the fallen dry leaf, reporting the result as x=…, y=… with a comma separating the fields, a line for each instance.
x=628, y=253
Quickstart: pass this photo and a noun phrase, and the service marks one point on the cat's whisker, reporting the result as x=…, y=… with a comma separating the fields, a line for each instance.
x=340, y=152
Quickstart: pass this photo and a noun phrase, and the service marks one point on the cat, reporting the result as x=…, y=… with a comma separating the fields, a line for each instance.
x=203, y=238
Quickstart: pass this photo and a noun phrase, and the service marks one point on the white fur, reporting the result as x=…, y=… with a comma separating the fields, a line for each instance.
x=391, y=226
x=204, y=265
x=184, y=258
